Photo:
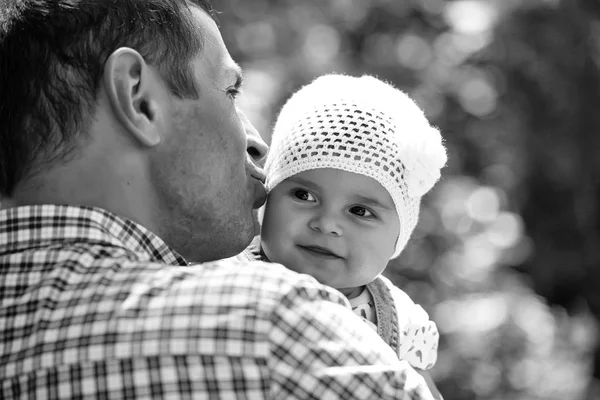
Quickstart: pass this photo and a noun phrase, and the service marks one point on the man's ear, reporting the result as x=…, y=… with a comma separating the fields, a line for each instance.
x=137, y=95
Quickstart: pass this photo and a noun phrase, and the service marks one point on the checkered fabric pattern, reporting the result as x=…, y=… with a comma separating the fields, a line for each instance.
x=93, y=306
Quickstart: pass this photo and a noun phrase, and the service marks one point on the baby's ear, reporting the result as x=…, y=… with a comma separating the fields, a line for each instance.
x=396, y=251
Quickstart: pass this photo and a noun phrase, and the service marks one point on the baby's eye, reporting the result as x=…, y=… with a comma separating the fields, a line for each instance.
x=361, y=212
x=303, y=195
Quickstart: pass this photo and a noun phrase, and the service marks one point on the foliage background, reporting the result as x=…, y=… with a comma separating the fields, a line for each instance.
x=505, y=257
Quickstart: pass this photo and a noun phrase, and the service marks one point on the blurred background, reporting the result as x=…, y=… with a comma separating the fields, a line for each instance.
x=506, y=254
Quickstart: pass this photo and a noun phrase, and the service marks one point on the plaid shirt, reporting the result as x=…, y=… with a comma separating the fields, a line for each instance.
x=94, y=306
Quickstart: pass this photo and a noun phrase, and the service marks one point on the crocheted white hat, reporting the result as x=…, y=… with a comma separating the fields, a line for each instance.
x=360, y=125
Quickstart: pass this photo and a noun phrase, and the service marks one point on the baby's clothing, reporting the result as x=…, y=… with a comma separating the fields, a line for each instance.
x=402, y=324
x=364, y=306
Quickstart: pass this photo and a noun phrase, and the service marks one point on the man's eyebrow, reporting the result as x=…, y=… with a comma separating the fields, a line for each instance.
x=236, y=71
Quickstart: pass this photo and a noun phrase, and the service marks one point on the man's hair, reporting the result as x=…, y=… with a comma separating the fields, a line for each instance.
x=52, y=56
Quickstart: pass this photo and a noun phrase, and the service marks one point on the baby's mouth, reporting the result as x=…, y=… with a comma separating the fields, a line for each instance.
x=319, y=251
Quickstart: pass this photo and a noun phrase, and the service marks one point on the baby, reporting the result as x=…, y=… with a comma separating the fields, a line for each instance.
x=350, y=159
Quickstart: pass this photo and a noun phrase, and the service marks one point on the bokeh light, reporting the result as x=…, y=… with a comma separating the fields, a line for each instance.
x=505, y=81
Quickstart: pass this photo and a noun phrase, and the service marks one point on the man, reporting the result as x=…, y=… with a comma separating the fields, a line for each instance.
x=122, y=158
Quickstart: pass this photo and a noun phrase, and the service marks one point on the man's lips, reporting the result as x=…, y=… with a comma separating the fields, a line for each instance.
x=260, y=192
x=319, y=251
x=259, y=176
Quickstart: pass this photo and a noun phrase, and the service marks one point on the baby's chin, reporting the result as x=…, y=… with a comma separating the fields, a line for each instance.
x=351, y=292
x=348, y=289
x=320, y=276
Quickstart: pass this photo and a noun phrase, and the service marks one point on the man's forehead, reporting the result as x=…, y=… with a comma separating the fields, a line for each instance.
x=206, y=26
x=214, y=49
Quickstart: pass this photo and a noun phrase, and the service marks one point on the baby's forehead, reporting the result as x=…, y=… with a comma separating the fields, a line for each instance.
x=335, y=181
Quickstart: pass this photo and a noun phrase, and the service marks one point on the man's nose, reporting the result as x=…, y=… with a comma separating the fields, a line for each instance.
x=255, y=145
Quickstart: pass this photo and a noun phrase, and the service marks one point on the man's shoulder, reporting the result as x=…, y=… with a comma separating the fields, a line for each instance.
x=252, y=253
x=225, y=284
x=269, y=278
x=111, y=271
x=127, y=307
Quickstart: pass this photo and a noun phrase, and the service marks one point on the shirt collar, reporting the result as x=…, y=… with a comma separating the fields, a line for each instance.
x=39, y=226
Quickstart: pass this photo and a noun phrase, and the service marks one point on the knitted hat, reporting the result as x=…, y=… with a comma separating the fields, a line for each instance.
x=360, y=125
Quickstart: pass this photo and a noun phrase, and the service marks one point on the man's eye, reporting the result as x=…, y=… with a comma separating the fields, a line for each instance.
x=361, y=212
x=303, y=195
x=233, y=93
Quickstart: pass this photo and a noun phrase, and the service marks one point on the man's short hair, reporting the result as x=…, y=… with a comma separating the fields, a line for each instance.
x=52, y=56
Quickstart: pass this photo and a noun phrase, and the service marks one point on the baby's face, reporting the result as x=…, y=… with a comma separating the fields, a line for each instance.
x=337, y=226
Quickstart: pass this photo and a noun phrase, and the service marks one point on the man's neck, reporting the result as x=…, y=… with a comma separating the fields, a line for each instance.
x=79, y=185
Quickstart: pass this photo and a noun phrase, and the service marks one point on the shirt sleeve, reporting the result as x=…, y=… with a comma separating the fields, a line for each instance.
x=321, y=350
x=419, y=336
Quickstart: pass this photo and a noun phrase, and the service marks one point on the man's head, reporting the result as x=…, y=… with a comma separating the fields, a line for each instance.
x=129, y=105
